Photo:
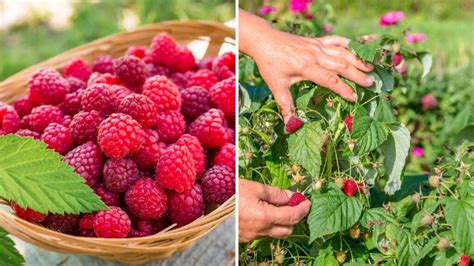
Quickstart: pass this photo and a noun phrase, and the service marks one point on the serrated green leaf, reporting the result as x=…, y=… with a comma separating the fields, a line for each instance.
x=460, y=215
x=407, y=250
x=331, y=213
x=426, y=60
x=367, y=132
x=279, y=177
x=304, y=97
x=374, y=215
x=396, y=151
x=9, y=255
x=305, y=146
x=386, y=77
x=383, y=112
x=36, y=177
x=466, y=134
x=365, y=52
x=426, y=249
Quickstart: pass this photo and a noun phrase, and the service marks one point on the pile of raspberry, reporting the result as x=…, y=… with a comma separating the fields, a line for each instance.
x=151, y=132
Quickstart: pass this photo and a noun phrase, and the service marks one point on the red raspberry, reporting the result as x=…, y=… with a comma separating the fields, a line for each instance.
x=197, y=152
x=87, y=161
x=44, y=115
x=119, y=93
x=204, y=78
x=84, y=126
x=175, y=169
x=295, y=199
x=72, y=103
x=148, y=227
x=147, y=156
x=224, y=65
x=67, y=119
x=108, y=197
x=209, y=129
x=223, y=96
x=28, y=133
x=141, y=108
x=171, y=125
x=137, y=51
x=120, y=135
x=77, y=68
x=113, y=223
x=184, y=208
x=181, y=79
x=98, y=97
x=105, y=78
x=119, y=175
x=185, y=60
x=218, y=184
x=25, y=122
x=157, y=70
x=226, y=156
x=28, y=214
x=163, y=92
x=23, y=106
x=104, y=64
x=293, y=124
x=146, y=199
x=66, y=223
x=9, y=119
x=230, y=135
x=464, y=260
x=196, y=101
x=46, y=86
x=348, y=122
x=58, y=138
x=206, y=63
x=131, y=70
x=350, y=187
x=75, y=84
x=163, y=50
x=87, y=221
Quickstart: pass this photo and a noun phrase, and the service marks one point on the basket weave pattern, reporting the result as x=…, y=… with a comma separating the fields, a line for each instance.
x=128, y=250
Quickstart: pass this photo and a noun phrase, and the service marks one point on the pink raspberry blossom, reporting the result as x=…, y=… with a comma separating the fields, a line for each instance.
x=428, y=102
x=265, y=10
x=415, y=37
x=417, y=152
x=391, y=18
x=300, y=6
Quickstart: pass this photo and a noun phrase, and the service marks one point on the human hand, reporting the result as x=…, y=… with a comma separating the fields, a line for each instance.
x=263, y=211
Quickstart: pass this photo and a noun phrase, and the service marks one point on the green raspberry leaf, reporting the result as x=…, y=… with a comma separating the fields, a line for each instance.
x=365, y=52
x=37, y=178
x=305, y=147
x=367, y=132
x=460, y=215
x=407, y=250
x=279, y=177
x=9, y=256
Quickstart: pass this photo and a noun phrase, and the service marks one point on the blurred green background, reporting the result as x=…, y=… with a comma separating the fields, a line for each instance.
x=34, y=30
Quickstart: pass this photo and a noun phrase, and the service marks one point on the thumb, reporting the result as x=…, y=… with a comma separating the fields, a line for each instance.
x=284, y=100
x=274, y=195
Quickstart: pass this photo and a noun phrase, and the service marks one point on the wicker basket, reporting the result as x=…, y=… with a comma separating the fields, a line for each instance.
x=129, y=250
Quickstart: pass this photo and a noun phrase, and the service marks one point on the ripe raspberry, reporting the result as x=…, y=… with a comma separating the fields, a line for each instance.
x=153, y=70
x=464, y=260
x=196, y=101
x=226, y=156
x=66, y=223
x=223, y=96
x=203, y=78
x=137, y=51
x=104, y=78
x=25, y=122
x=146, y=199
x=23, y=106
x=175, y=169
x=131, y=70
x=148, y=227
x=46, y=86
x=348, y=122
x=44, y=115
x=77, y=68
x=67, y=119
x=147, y=156
x=119, y=175
x=163, y=50
x=197, y=152
x=206, y=63
x=185, y=60
x=230, y=135
x=87, y=221
x=58, y=138
x=108, y=197
x=84, y=126
x=75, y=84
x=163, y=92
x=224, y=65
x=113, y=223
x=293, y=124
x=28, y=214
x=184, y=208
x=87, y=161
x=181, y=79
x=119, y=93
x=218, y=184
x=9, y=119
x=171, y=125
x=104, y=64
x=209, y=129
x=120, y=135
x=98, y=97
x=71, y=103
x=28, y=133
x=350, y=187
x=295, y=199
x=141, y=108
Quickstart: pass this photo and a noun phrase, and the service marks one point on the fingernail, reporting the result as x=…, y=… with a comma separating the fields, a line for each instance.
x=369, y=80
x=354, y=97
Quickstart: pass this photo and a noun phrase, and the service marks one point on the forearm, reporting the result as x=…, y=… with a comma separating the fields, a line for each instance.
x=253, y=33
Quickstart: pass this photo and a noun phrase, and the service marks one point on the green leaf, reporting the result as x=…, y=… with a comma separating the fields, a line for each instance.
x=396, y=151
x=305, y=145
x=386, y=78
x=365, y=52
x=251, y=96
x=460, y=215
x=427, y=248
x=304, y=97
x=374, y=215
x=383, y=112
x=9, y=256
x=426, y=60
x=36, y=177
x=466, y=134
x=407, y=250
x=332, y=213
x=279, y=177
x=367, y=132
